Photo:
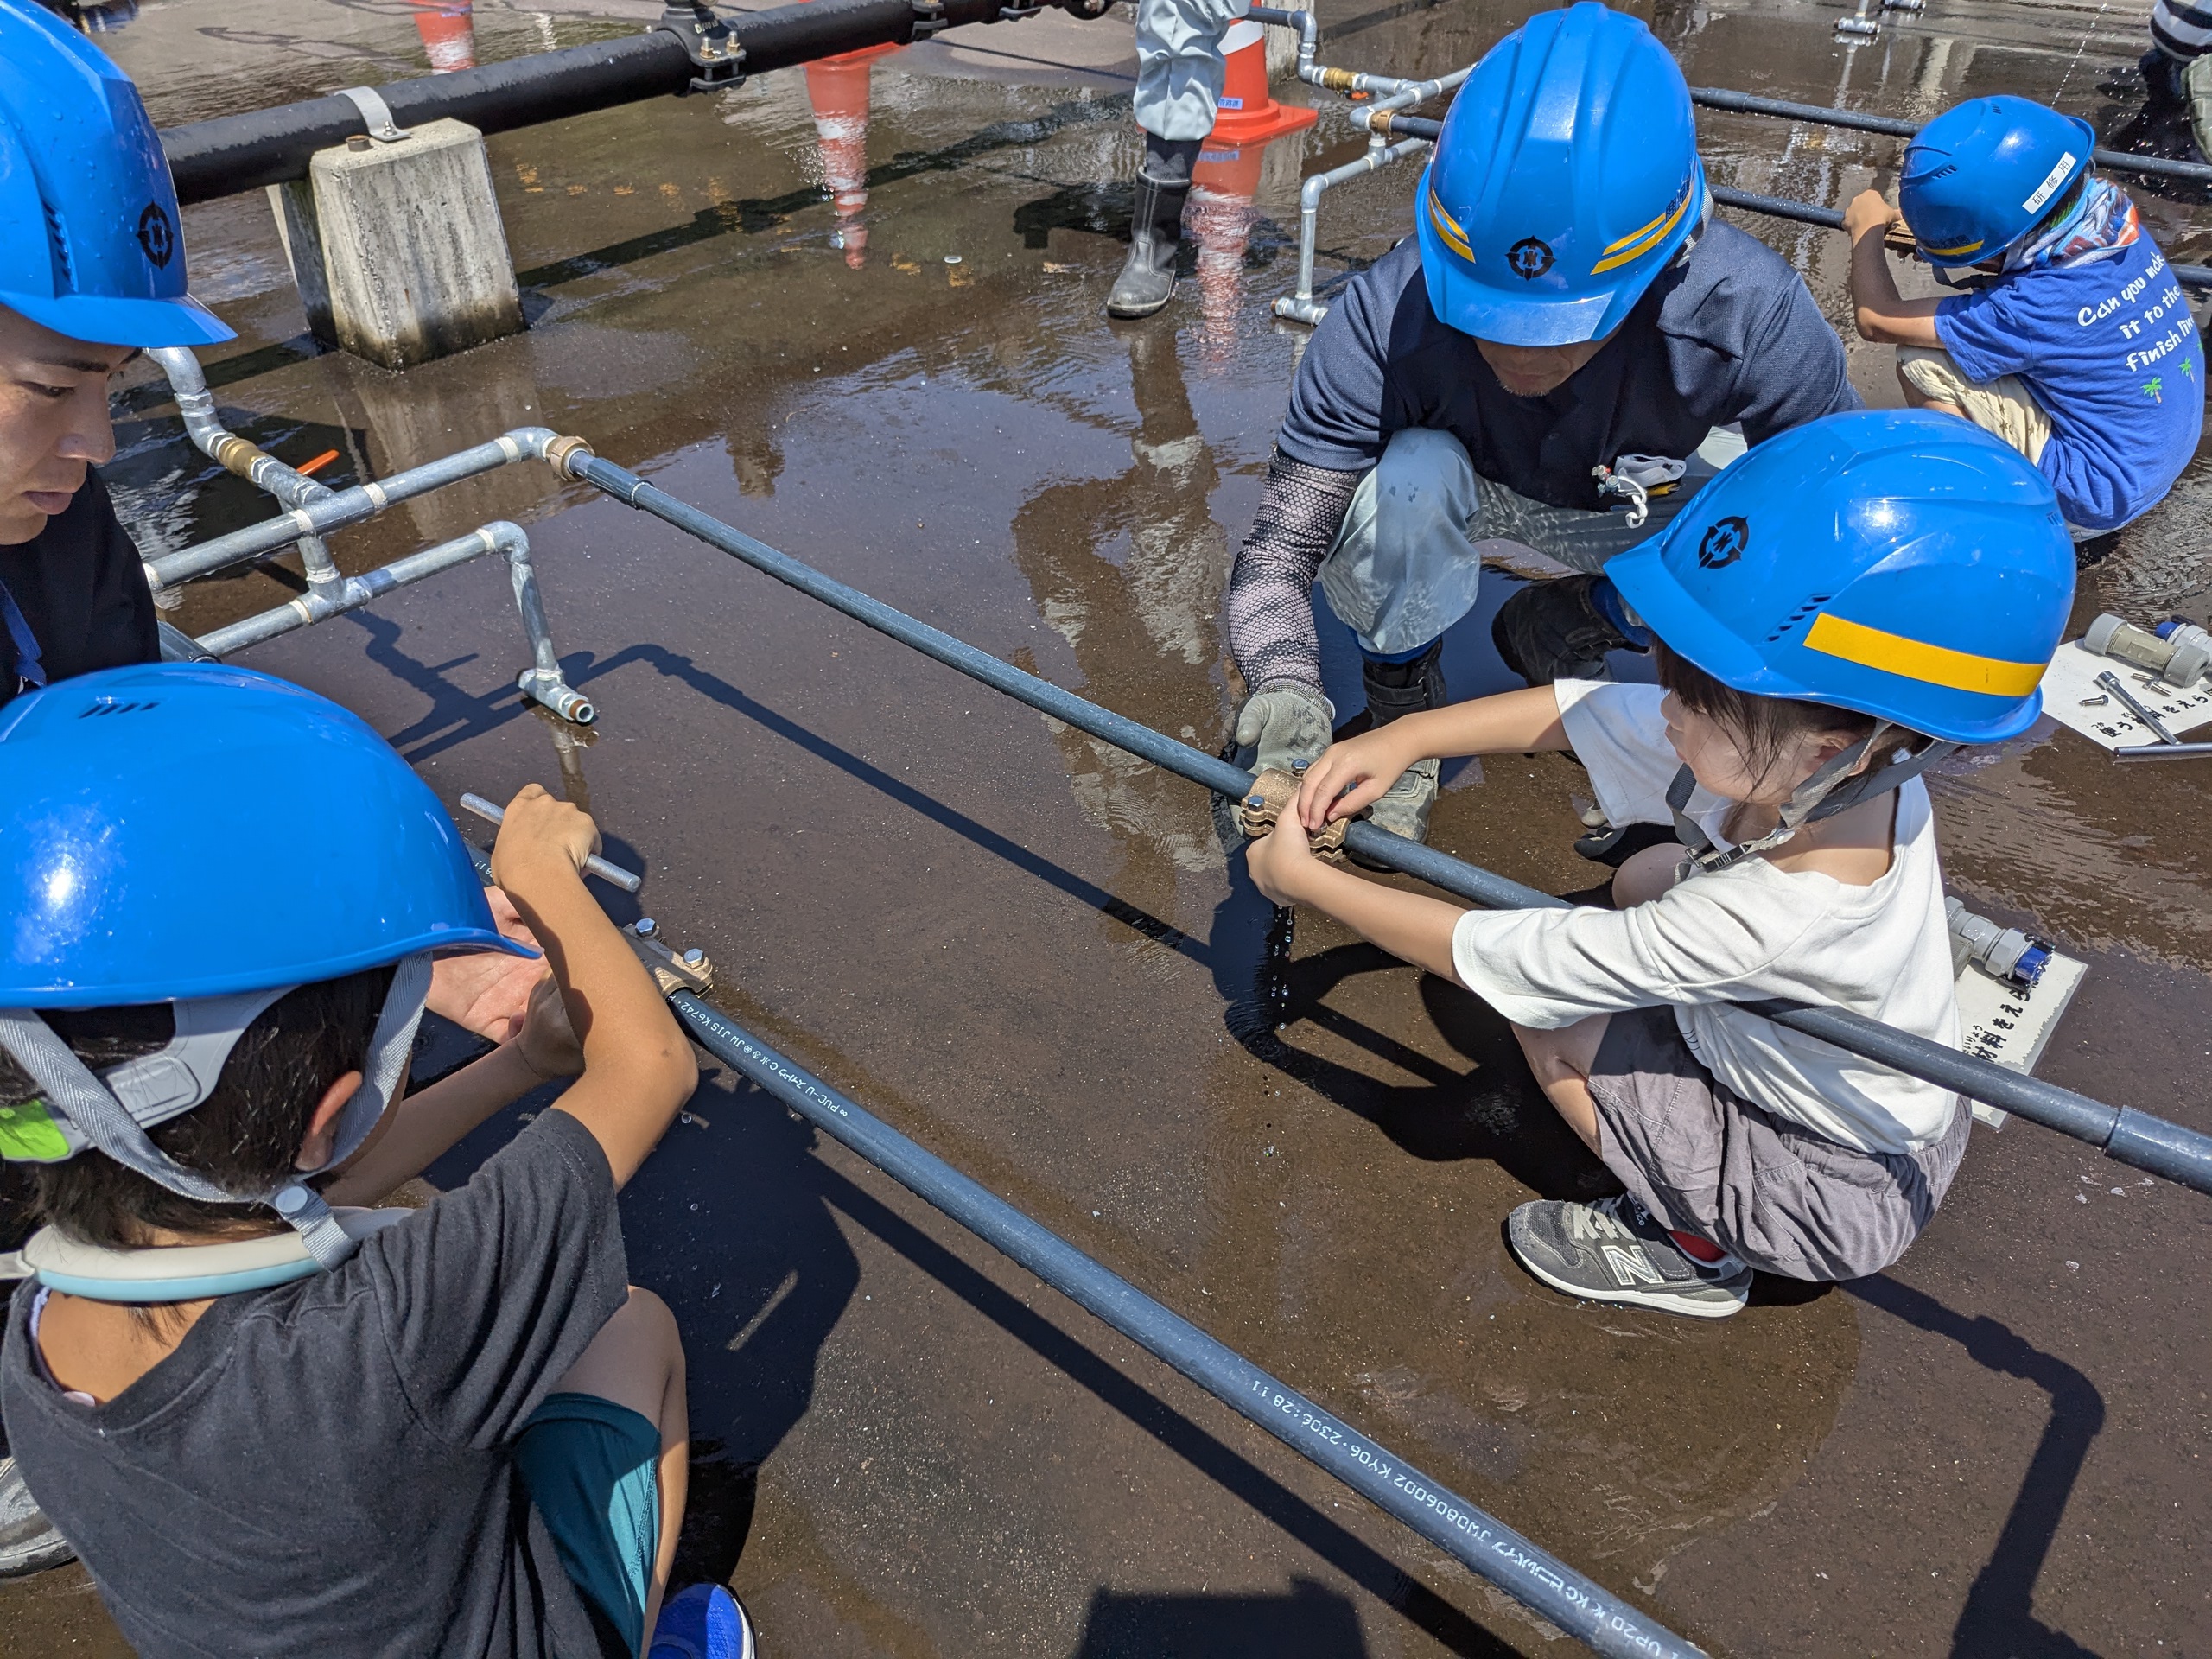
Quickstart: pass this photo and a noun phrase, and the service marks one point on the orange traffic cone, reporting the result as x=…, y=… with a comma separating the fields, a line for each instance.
x=1219, y=219
x=1246, y=114
x=448, y=34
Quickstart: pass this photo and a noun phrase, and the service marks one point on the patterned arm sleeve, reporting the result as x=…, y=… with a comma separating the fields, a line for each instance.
x=1270, y=604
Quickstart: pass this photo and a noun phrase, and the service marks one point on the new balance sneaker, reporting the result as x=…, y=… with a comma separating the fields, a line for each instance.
x=703, y=1622
x=1614, y=1251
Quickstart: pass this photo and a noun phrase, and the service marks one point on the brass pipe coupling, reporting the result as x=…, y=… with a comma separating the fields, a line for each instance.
x=562, y=451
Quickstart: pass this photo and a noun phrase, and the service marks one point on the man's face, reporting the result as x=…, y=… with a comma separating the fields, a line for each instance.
x=1532, y=370
x=53, y=421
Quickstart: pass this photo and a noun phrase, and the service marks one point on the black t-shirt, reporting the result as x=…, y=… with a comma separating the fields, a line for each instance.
x=1731, y=335
x=80, y=586
x=324, y=1468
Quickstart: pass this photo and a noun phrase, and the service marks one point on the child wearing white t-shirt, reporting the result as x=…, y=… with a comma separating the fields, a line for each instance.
x=1808, y=672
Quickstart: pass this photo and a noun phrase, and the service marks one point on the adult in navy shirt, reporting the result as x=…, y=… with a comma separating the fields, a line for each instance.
x=72, y=592
x=1563, y=353
x=2074, y=344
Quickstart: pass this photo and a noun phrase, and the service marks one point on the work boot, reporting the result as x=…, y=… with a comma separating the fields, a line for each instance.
x=1393, y=690
x=1148, y=280
x=1553, y=631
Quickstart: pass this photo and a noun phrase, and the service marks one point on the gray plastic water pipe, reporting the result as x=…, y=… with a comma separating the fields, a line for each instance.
x=1536, y=1578
x=2121, y=1133
x=1479, y=1540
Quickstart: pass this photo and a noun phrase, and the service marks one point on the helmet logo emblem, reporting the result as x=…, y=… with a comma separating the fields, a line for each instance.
x=1723, y=544
x=156, y=235
x=1530, y=257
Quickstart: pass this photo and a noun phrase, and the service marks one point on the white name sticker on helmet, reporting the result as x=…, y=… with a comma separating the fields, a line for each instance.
x=2044, y=190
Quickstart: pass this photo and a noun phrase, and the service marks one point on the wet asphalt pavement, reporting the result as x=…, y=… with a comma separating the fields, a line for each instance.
x=1024, y=949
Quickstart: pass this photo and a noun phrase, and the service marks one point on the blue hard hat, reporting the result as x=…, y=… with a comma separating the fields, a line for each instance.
x=1898, y=562
x=1983, y=174
x=90, y=245
x=179, y=830
x=1566, y=179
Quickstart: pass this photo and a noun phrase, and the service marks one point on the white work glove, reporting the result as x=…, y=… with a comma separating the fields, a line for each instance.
x=1283, y=721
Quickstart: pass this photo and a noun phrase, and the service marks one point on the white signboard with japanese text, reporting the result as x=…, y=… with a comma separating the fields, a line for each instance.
x=2001, y=1022
x=2072, y=697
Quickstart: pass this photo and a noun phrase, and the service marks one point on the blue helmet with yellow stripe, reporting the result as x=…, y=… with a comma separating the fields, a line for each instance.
x=1566, y=179
x=1903, y=563
x=1984, y=172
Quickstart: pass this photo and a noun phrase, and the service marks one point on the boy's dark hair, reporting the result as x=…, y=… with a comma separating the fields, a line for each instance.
x=246, y=1134
x=1763, y=727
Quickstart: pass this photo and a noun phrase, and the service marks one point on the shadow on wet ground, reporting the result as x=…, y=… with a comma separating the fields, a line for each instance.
x=1027, y=951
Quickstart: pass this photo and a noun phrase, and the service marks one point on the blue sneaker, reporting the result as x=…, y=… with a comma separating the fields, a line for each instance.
x=702, y=1622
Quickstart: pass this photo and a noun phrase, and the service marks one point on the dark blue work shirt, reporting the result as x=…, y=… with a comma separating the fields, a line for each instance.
x=1729, y=336
x=80, y=593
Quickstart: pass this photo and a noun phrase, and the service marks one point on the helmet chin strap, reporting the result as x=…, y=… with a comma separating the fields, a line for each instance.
x=1831, y=789
x=178, y=1273
x=91, y=1110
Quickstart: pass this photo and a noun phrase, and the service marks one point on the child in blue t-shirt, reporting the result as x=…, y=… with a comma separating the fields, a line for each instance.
x=2074, y=343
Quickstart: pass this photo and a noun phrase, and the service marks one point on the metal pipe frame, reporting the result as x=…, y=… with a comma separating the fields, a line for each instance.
x=1308, y=28
x=316, y=510
x=1539, y=1580
x=338, y=508
x=189, y=386
x=1302, y=305
x=1391, y=94
x=2121, y=1133
x=542, y=682
x=1385, y=122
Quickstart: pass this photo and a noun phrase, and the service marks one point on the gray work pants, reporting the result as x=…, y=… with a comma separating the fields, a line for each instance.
x=1406, y=565
x=1179, y=63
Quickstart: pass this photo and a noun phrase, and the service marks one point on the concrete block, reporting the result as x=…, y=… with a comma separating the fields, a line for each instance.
x=397, y=248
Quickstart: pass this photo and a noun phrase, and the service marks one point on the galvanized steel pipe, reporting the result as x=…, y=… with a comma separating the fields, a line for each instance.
x=351, y=593
x=1302, y=307
x=2178, y=1153
x=542, y=682
x=241, y=456
x=335, y=509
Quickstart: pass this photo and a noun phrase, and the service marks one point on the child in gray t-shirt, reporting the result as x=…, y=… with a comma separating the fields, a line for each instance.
x=455, y=1430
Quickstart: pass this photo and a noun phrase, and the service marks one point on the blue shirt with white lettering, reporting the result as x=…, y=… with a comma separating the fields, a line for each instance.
x=2109, y=350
